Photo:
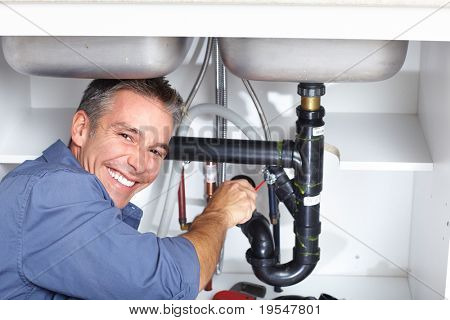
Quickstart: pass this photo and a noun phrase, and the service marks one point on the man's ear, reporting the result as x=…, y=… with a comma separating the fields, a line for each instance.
x=80, y=128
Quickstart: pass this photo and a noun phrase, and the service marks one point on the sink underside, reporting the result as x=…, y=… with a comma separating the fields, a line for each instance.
x=292, y=60
x=311, y=60
x=95, y=57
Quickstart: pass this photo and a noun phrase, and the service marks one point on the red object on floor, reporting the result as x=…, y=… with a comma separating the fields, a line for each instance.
x=232, y=295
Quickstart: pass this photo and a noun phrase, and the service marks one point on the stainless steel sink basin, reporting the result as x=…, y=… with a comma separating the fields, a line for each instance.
x=95, y=57
x=311, y=60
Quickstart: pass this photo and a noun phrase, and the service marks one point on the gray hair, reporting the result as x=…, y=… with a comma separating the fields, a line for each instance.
x=100, y=93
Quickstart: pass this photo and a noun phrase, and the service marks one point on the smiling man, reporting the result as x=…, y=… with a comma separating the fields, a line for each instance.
x=68, y=228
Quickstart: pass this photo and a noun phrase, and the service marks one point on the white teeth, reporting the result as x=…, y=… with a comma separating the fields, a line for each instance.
x=120, y=178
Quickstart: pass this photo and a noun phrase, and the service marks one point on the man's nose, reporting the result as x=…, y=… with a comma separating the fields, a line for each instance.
x=138, y=159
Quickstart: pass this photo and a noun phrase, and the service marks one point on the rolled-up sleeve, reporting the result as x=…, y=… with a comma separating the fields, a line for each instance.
x=75, y=243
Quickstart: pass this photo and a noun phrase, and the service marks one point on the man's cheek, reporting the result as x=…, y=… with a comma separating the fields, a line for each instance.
x=154, y=171
x=151, y=179
x=148, y=178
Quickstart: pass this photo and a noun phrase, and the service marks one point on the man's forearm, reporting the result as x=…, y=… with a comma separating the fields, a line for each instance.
x=207, y=234
x=232, y=203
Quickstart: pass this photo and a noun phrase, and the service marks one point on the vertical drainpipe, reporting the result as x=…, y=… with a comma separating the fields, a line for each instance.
x=301, y=197
x=308, y=180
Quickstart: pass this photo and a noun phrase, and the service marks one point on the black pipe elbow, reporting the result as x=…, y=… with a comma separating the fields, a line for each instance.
x=257, y=230
x=263, y=258
x=283, y=275
x=284, y=190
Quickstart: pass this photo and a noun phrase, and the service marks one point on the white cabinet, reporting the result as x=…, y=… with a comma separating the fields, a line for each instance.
x=385, y=215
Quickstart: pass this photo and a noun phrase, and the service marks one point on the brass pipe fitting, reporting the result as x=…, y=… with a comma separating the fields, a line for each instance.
x=310, y=103
x=310, y=93
x=185, y=226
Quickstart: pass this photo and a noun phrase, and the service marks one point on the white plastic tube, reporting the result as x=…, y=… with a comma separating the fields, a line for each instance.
x=214, y=109
x=174, y=176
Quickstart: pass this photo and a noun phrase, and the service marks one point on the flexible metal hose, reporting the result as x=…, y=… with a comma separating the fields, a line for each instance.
x=221, y=123
x=201, y=75
x=221, y=99
x=259, y=109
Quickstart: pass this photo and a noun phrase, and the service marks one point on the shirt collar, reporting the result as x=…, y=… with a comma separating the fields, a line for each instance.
x=60, y=153
x=131, y=210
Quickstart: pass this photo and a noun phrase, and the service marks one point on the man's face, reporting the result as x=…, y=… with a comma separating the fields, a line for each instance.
x=129, y=145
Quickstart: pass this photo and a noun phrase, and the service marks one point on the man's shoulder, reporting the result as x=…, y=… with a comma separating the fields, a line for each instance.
x=56, y=180
x=40, y=168
x=55, y=175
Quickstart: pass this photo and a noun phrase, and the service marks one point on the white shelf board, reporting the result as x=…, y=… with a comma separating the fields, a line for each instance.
x=35, y=130
x=387, y=142
x=365, y=141
x=341, y=287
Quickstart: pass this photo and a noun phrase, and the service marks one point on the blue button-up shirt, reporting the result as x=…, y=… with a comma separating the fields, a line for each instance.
x=62, y=237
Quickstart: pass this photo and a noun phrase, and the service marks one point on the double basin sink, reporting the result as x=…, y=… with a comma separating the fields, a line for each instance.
x=290, y=60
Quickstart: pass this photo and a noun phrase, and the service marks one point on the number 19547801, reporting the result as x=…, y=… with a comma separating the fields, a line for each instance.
x=289, y=309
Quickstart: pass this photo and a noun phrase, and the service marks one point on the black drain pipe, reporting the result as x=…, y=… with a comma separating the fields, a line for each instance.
x=300, y=195
x=279, y=153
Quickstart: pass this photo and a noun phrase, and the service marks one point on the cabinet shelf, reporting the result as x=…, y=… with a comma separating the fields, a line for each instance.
x=33, y=131
x=365, y=141
x=341, y=287
x=388, y=142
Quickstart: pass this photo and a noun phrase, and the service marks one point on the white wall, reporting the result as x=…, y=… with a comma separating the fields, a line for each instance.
x=430, y=218
x=14, y=100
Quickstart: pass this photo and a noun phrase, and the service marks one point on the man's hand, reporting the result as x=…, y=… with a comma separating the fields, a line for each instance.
x=235, y=201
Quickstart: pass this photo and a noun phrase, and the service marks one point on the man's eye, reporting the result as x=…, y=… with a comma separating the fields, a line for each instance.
x=157, y=153
x=125, y=136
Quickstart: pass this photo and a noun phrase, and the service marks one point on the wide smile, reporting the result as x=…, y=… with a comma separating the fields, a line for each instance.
x=120, y=178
